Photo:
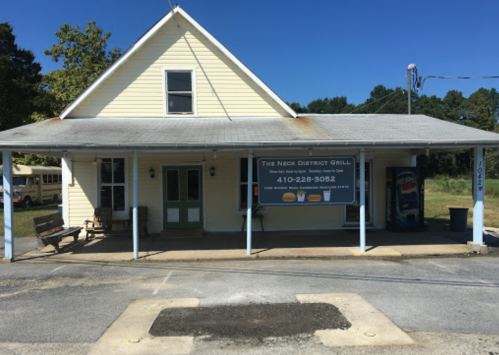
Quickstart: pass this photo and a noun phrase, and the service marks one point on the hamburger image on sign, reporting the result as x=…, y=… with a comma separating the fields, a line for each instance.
x=289, y=197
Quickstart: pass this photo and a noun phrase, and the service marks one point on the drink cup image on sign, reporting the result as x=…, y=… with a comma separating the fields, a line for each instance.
x=301, y=196
x=327, y=195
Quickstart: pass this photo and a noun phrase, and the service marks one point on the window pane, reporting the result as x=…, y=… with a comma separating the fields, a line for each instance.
x=244, y=170
x=106, y=175
x=49, y=179
x=353, y=211
x=179, y=103
x=119, y=170
x=243, y=195
x=106, y=196
x=172, y=186
x=179, y=81
x=119, y=198
x=44, y=179
x=18, y=180
x=193, y=185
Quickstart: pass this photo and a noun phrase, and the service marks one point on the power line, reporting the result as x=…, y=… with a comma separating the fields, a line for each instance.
x=381, y=98
x=418, y=81
x=387, y=102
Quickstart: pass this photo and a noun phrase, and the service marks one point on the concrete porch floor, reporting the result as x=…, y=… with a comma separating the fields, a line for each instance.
x=232, y=245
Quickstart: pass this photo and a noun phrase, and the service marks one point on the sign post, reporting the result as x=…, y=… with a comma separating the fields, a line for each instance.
x=306, y=181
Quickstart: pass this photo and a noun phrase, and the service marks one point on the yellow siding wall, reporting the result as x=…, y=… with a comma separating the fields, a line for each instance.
x=82, y=193
x=221, y=194
x=136, y=88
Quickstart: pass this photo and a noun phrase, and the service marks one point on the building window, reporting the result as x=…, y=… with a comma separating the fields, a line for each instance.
x=352, y=212
x=180, y=93
x=113, y=184
x=243, y=183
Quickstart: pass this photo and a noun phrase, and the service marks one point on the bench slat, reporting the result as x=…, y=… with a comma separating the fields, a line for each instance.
x=47, y=218
x=49, y=226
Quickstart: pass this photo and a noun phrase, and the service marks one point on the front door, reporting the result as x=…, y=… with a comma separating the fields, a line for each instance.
x=182, y=197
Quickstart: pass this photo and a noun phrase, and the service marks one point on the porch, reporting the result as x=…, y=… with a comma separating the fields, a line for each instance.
x=271, y=245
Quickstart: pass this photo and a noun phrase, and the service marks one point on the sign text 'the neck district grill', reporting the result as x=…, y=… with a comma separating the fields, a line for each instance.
x=306, y=181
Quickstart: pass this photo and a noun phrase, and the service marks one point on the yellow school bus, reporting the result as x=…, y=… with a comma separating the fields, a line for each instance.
x=34, y=184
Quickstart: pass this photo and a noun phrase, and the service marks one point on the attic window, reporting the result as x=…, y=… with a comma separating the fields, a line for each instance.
x=179, y=92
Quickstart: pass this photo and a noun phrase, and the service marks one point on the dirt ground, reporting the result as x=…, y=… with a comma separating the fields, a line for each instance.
x=254, y=321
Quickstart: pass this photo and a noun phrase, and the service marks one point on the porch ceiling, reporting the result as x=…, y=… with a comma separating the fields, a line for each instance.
x=336, y=131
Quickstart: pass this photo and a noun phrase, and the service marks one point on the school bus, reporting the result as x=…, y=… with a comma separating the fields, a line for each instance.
x=34, y=184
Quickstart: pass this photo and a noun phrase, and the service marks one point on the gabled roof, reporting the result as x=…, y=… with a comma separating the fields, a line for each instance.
x=151, y=32
x=335, y=131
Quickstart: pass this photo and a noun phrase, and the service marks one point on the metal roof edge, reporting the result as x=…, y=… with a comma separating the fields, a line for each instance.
x=242, y=145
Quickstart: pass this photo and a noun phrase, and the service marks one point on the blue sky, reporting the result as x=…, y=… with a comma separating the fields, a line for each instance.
x=302, y=49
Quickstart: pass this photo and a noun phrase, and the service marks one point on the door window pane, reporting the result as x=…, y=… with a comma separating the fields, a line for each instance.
x=181, y=102
x=193, y=185
x=106, y=196
x=119, y=170
x=179, y=81
x=119, y=198
x=172, y=185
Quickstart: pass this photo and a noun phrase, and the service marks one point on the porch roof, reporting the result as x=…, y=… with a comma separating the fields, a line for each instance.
x=346, y=131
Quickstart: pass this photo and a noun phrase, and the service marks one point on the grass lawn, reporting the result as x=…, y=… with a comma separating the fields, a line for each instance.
x=23, y=219
x=438, y=201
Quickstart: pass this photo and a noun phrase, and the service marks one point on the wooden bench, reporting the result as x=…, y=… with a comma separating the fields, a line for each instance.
x=49, y=230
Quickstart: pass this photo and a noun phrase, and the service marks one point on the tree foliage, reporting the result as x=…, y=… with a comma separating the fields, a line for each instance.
x=480, y=110
x=19, y=81
x=84, y=57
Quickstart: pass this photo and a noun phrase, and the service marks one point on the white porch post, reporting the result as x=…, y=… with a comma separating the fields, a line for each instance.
x=249, y=211
x=362, y=187
x=8, y=206
x=66, y=181
x=478, y=191
x=135, y=208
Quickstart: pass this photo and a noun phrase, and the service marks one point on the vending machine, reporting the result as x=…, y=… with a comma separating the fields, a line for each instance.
x=404, y=199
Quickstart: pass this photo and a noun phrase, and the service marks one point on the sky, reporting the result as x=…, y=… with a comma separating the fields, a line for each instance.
x=303, y=50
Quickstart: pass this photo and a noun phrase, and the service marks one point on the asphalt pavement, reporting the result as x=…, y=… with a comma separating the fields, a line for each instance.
x=69, y=306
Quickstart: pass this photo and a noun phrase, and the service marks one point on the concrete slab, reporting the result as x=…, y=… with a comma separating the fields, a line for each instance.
x=129, y=334
x=369, y=326
x=267, y=245
x=432, y=249
x=376, y=251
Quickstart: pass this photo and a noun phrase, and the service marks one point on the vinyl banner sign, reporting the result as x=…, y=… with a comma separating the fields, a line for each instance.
x=306, y=181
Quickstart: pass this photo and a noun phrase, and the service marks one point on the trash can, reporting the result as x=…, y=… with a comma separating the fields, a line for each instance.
x=59, y=208
x=458, y=219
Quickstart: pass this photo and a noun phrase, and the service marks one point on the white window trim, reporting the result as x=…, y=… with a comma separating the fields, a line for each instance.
x=194, y=92
x=371, y=199
x=238, y=187
x=115, y=213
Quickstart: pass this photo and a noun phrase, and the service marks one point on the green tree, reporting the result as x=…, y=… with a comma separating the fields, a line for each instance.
x=453, y=106
x=383, y=100
x=84, y=57
x=479, y=111
x=19, y=81
x=298, y=108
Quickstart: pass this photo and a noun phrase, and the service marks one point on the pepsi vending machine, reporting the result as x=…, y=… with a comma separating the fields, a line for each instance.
x=404, y=199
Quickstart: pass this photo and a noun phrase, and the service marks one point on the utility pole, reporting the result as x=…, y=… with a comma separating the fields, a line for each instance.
x=409, y=68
